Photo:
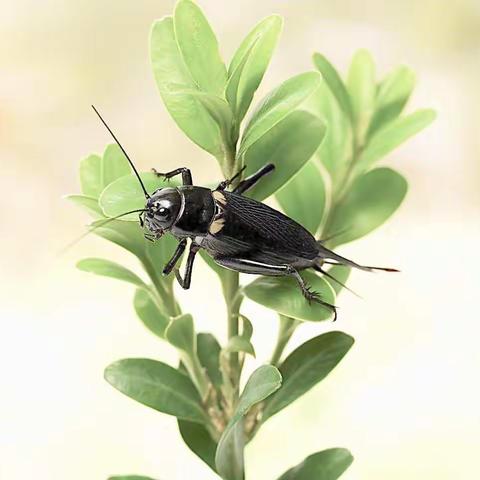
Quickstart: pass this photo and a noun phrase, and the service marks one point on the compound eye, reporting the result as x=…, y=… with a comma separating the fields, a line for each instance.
x=163, y=212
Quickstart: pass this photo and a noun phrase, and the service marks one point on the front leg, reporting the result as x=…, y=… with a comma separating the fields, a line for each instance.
x=178, y=253
x=185, y=282
x=185, y=172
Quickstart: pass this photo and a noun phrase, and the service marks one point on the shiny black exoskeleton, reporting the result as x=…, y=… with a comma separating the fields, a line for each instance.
x=239, y=233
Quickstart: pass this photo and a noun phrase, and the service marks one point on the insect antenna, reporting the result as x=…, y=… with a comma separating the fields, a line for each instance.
x=331, y=277
x=94, y=227
x=124, y=152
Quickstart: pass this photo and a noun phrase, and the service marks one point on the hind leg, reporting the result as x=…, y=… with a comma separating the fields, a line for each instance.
x=311, y=295
x=245, y=265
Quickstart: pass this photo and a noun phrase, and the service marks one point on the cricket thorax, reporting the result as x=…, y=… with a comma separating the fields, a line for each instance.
x=198, y=211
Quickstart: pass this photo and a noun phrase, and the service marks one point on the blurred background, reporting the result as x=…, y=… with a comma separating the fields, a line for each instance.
x=405, y=400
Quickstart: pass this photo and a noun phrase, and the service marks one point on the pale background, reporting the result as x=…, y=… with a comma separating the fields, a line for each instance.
x=405, y=400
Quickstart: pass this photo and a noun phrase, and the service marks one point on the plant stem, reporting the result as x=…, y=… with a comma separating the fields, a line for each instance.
x=197, y=374
x=286, y=328
x=233, y=301
x=165, y=291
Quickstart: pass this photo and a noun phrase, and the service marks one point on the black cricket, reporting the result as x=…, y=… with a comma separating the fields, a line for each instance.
x=238, y=232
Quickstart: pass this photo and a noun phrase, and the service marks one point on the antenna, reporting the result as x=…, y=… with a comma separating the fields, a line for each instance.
x=100, y=224
x=124, y=152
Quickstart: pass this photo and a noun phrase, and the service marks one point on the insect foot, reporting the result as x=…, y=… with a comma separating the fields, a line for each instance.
x=313, y=296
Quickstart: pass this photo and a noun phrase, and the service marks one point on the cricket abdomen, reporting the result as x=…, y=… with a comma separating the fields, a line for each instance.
x=257, y=231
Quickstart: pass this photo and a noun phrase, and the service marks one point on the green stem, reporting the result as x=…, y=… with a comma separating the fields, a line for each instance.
x=233, y=302
x=197, y=373
x=286, y=328
x=164, y=290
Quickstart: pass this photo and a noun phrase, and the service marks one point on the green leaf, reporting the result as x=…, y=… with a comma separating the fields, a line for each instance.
x=393, y=135
x=372, y=199
x=97, y=172
x=336, y=148
x=181, y=334
x=362, y=88
x=125, y=194
x=106, y=268
x=130, y=477
x=199, y=441
x=158, y=386
x=393, y=93
x=334, y=82
x=238, y=343
x=114, y=164
x=247, y=327
x=288, y=145
x=220, y=112
x=341, y=273
x=303, y=197
x=229, y=456
x=149, y=312
x=90, y=204
x=208, y=351
x=250, y=62
x=325, y=465
x=199, y=47
x=277, y=105
x=91, y=176
x=306, y=366
x=220, y=271
x=283, y=295
x=128, y=235
x=174, y=81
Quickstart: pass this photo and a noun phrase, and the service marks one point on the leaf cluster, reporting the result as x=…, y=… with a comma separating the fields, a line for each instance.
x=325, y=136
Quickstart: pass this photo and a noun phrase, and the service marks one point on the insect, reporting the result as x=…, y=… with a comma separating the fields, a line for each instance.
x=238, y=232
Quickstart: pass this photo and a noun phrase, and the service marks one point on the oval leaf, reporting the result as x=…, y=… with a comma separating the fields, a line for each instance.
x=249, y=63
x=106, y=268
x=336, y=148
x=181, y=334
x=326, y=465
x=91, y=176
x=277, y=105
x=173, y=79
x=283, y=295
x=306, y=366
x=114, y=164
x=90, y=204
x=208, y=351
x=158, y=386
x=288, y=145
x=240, y=344
x=199, y=47
x=199, y=441
x=372, y=199
x=362, y=88
x=127, y=235
x=303, y=197
x=149, y=313
x=335, y=83
x=229, y=456
x=393, y=135
x=126, y=194
x=393, y=93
